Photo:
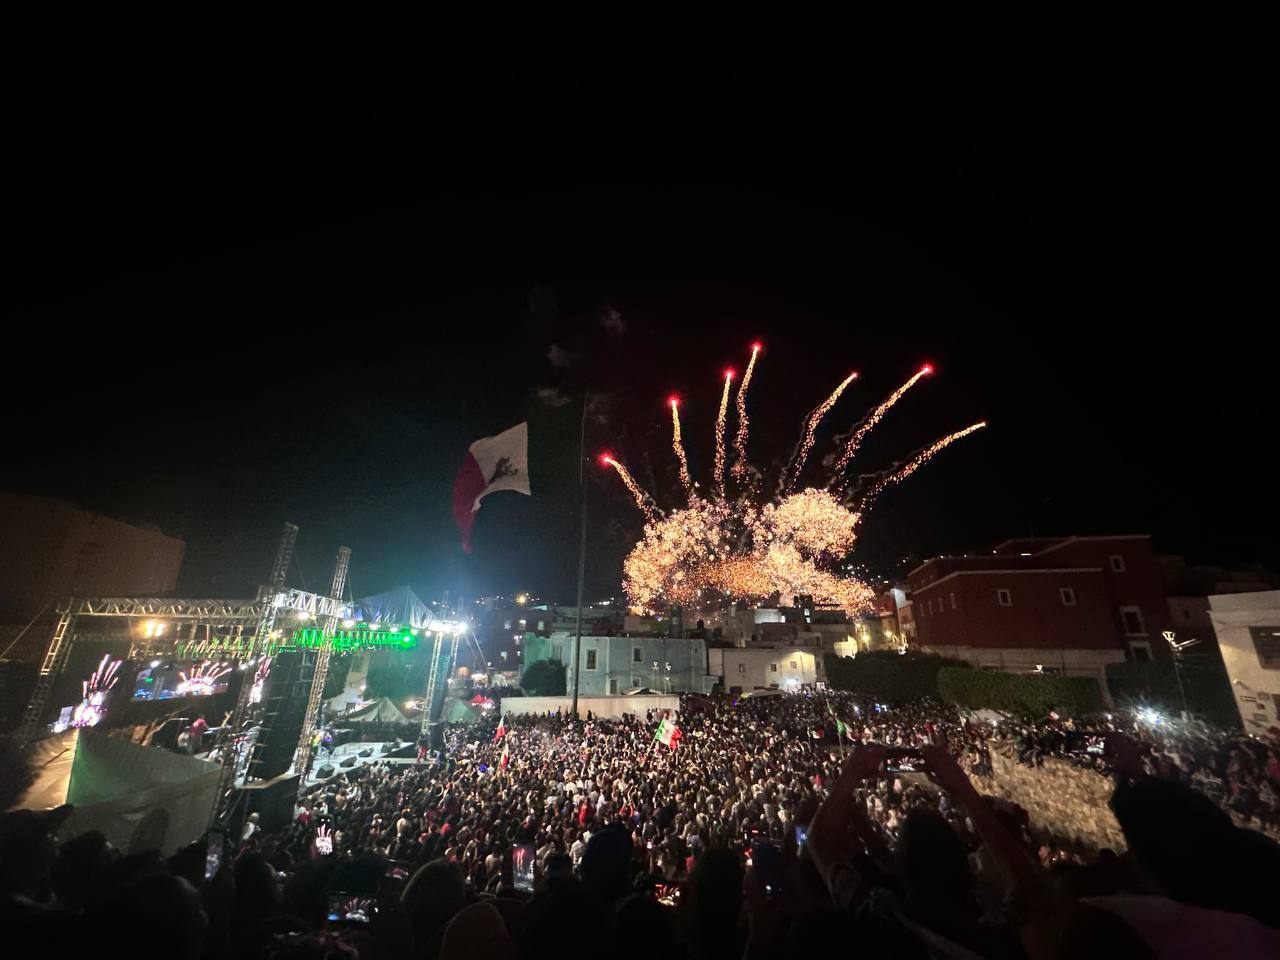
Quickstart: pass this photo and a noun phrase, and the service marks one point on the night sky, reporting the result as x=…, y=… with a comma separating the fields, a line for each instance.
x=242, y=307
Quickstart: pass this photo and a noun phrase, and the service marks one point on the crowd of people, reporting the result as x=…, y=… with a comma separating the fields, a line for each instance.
x=776, y=825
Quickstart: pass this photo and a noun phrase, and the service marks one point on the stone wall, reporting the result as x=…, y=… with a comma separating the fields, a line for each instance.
x=1061, y=799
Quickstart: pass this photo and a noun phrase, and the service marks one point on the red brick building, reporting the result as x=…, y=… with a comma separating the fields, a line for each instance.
x=1062, y=605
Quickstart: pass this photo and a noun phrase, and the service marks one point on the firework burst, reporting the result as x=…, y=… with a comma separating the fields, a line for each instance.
x=92, y=707
x=723, y=548
x=203, y=679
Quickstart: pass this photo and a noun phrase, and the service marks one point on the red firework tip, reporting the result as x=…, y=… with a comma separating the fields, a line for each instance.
x=756, y=347
x=927, y=368
x=728, y=373
x=673, y=400
x=606, y=460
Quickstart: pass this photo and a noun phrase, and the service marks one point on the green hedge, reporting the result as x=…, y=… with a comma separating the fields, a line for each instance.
x=1026, y=694
x=887, y=676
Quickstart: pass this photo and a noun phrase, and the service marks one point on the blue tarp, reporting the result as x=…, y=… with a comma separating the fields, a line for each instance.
x=400, y=605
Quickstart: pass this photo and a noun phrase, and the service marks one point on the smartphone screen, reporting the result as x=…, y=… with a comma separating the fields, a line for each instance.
x=802, y=834
x=905, y=762
x=350, y=908
x=766, y=862
x=213, y=852
x=522, y=867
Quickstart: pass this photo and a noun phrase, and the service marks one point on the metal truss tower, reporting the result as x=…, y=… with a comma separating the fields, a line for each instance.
x=302, y=754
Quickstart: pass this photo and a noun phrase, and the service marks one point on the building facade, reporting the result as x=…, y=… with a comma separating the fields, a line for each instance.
x=1247, y=626
x=610, y=666
x=742, y=669
x=1067, y=605
x=50, y=549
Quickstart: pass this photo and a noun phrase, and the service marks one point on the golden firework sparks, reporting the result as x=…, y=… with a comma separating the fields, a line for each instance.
x=720, y=424
x=740, y=439
x=642, y=499
x=751, y=552
x=918, y=461
x=837, y=475
x=814, y=419
x=678, y=446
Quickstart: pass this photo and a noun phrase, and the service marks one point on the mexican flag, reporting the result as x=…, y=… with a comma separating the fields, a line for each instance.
x=668, y=734
x=841, y=729
x=506, y=757
x=492, y=464
x=502, y=730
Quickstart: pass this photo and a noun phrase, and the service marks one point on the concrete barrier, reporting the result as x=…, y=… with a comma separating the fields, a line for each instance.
x=604, y=707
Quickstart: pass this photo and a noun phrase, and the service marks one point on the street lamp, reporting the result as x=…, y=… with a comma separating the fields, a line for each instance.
x=667, y=678
x=655, y=673
x=1177, y=649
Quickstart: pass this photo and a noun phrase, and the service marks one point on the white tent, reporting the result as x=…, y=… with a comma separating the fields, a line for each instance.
x=382, y=710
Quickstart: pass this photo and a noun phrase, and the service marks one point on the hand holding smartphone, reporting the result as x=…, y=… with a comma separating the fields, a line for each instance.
x=350, y=908
x=766, y=864
x=904, y=760
x=213, y=852
x=522, y=862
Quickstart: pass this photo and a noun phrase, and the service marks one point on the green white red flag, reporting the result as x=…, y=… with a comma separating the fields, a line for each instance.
x=668, y=734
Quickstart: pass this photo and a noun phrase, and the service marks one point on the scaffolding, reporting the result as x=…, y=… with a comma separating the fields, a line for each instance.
x=276, y=620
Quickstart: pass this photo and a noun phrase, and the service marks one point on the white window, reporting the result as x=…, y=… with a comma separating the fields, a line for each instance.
x=1117, y=563
x=773, y=668
x=613, y=686
x=1133, y=623
x=506, y=624
x=953, y=601
x=1140, y=649
x=1004, y=598
x=1068, y=596
x=591, y=659
x=635, y=654
x=503, y=654
x=742, y=668
x=1266, y=643
x=793, y=664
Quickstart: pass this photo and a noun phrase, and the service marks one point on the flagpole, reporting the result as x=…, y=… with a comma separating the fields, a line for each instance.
x=582, y=550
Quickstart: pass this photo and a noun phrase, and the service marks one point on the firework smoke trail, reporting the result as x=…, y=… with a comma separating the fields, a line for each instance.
x=678, y=446
x=916, y=462
x=720, y=421
x=838, y=480
x=806, y=444
x=642, y=498
x=740, y=440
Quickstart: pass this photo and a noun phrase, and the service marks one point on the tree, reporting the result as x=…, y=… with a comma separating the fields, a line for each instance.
x=887, y=676
x=545, y=678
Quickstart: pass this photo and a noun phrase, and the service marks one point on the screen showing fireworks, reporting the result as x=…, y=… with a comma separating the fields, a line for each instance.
x=182, y=678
